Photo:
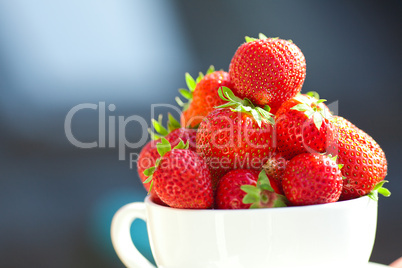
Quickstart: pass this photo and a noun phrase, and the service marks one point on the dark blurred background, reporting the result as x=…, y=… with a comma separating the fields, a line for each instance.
x=57, y=200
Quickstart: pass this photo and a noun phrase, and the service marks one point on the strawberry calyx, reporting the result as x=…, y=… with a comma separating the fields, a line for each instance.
x=262, y=195
x=334, y=158
x=313, y=94
x=191, y=84
x=160, y=130
x=313, y=110
x=163, y=147
x=379, y=189
x=260, y=37
x=237, y=104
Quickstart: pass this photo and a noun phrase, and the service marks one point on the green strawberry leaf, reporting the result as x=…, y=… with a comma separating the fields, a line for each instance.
x=149, y=178
x=198, y=79
x=149, y=171
x=280, y=202
x=191, y=85
x=244, y=105
x=262, y=36
x=163, y=147
x=335, y=159
x=313, y=94
x=227, y=95
x=373, y=195
x=211, y=69
x=150, y=186
x=181, y=145
x=379, y=185
x=186, y=94
x=172, y=123
x=190, y=82
x=257, y=116
x=267, y=108
x=317, y=120
x=314, y=110
x=266, y=114
x=158, y=127
x=157, y=162
x=180, y=102
x=161, y=131
x=301, y=107
x=252, y=195
x=379, y=189
x=259, y=196
x=384, y=191
x=309, y=113
x=264, y=182
x=250, y=39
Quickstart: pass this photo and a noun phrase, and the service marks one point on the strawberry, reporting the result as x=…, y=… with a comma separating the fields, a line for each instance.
x=312, y=178
x=237, y=135
x=228, y=194
x=275, y=169
x=203, y=96
x=181, y=178
x=262, y=194
x=303, y=124
x=365, y=165
x=149, y=153
x=268, y=71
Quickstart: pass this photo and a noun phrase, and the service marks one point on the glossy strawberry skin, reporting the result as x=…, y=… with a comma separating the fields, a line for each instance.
x=149, y=154
x=297, y=134
x=312, y=179
x=275, y=169
x=183, y=180
x=364, y=161
x=232, y=140
x=205, y=98
x=268, y=71
x=228, y=194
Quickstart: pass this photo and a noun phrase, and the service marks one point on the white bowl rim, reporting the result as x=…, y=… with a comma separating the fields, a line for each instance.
x=335, y=205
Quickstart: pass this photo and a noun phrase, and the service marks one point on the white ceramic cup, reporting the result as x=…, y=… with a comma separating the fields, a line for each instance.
x=339, y=234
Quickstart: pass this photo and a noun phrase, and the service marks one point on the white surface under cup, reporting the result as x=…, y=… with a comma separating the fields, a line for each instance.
x=339, y=234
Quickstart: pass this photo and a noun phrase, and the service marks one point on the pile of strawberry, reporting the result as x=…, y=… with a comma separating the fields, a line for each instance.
x=248, y=138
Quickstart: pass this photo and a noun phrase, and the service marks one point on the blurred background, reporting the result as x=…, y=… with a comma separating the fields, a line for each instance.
x=57, y=200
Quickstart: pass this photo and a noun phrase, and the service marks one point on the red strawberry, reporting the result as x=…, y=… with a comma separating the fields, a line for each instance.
x=203, y=96
x=303, y=124
x=268, y=71
x=275, y=169
x=228, y=194
x=312, y=179
x=181, y=178
x=149, y=153
x=239, y=137
x=364, y=161
x=262, y=195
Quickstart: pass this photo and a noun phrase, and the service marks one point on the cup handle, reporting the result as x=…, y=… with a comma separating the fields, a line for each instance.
x=121, y=236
